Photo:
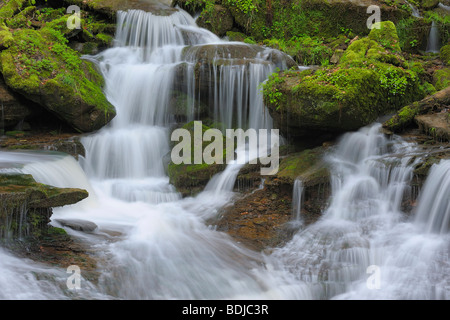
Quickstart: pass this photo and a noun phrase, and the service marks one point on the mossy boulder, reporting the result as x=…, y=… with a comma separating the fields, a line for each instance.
x=428, y=4
x=26, y=205
x=15, y=109
x=441, y=78
x=9, y=7
x=445, y=54
x=40, y=66
x=370, y=80
x=6, y=38
x=404, y=118
x=218, y=20
x=190, y=179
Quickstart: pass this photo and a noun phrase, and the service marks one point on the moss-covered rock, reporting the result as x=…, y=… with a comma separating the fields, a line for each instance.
x=10, y=7
x=428, y=4
x=190, y=179
x=441, y=78
x=404, y=118
x=43, y=68
x=6, y=38
x=218, y=20
x=26, y=205
x=370, y=80
x=445, y=54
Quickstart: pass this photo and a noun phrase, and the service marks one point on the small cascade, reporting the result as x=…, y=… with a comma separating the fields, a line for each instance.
x=414, y=11
x=443, y=6
x=297, y=198
x=433, y=211
x=433, y=43
x=362, y=229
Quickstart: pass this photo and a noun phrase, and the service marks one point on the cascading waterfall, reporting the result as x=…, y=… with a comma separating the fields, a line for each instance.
x=433, y=211
x=364, y=229
x=433, y=39
x=154, y=245
x=297, y=198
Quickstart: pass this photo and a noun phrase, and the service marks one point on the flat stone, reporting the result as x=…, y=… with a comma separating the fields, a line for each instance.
x=78, y=224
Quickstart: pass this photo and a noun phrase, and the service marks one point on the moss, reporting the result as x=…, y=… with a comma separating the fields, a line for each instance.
x=403, y=119
x=370, y=80
x=192, y=178
x=10, y=8
x=22, y=19
x=445, y=54
x=6, y=38
x=442, y=78
x=385, y=33
x=41, y=66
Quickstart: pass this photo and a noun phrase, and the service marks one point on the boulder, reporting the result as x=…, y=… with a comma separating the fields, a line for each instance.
x=370, y=80
x=41, y=67
x=404, y=118
x=26, y=204
x=219, y=20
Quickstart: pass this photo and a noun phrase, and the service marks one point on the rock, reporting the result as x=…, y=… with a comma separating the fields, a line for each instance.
x=445, y=54
x=109, y=8
x=78, y=224
x=336, y=56
x=441, y=78
x=189, y=179
x=13, y=108
x=207, y=60
x=436, y=125
x=26, y=204
x=404, y=118
x=219, y=20
x=51, y=74
x=369, y=81
x=428, y=4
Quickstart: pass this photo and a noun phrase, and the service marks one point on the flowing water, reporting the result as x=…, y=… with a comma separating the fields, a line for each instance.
x=153, y=244
x=433, y=42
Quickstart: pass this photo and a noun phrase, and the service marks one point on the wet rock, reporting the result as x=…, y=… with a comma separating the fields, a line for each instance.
x=26, y=205
x=77, y=224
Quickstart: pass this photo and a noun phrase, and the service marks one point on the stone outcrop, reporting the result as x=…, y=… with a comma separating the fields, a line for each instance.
x=26, y=205
x=369, y=81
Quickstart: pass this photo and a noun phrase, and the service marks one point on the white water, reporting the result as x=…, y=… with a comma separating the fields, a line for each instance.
x=433, y=39
x=151, y=244
x=297, y=200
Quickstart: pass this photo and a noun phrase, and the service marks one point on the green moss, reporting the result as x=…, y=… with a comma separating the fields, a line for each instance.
x=442, y=78
x=192, y=178
x=445, y=54
x=22, y=19
x=6, y=38
x=10, y=8
x=370, y=80
x=385, y=33
x=40, y=64
x=403, y=119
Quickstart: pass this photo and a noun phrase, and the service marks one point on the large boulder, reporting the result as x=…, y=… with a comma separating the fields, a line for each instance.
x=14, y=108
x=370, y=80
x=40, y=66
x=191, y=178
x=219, y=20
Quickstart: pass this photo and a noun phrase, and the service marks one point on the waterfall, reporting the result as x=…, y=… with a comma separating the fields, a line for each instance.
x=364, y=246
x=414, y=11
x=433, y=211
x=297, y=198
x=433, y=39
x=153, y=244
